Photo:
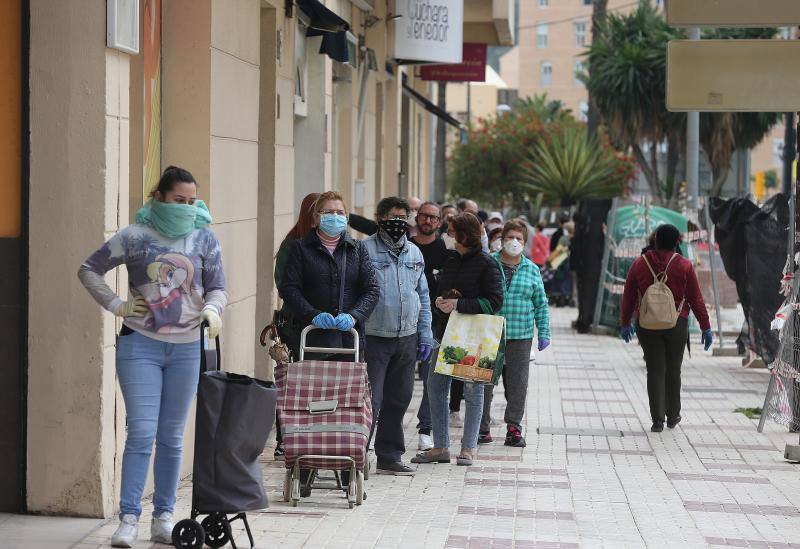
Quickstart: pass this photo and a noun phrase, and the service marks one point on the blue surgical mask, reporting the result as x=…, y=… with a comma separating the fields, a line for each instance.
x=332, y=224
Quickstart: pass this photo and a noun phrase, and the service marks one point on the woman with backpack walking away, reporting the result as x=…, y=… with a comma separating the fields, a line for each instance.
x=660, y=289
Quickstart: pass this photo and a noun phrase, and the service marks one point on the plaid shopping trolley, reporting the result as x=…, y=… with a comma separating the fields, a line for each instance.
x=326, y=417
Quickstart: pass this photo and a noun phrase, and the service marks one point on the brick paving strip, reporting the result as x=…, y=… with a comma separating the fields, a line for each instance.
x=520, y=513
x=765, y=447
x=517, y=471
x=464, y=542
x=517, y=483
x=606, y=452
x=742, y=508
x=717, y=478
x=735, y=542
x=750, y=467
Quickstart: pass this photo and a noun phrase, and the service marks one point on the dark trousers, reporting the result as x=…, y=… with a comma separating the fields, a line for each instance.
x=390, y=364
x=663, y=355
x=424, y=413
x=456, y=394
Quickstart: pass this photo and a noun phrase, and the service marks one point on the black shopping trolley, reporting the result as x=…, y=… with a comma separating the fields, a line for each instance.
x=234, y=417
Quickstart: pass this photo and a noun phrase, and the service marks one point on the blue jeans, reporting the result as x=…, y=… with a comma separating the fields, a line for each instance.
x=438, y=391
x=158, y=382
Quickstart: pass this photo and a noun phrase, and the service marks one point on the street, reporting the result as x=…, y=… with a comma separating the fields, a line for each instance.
x=594, y=476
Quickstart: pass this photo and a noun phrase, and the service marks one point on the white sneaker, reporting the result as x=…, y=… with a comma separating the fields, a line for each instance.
x=161, y=529
x=126, y=534
x=455, y=420
x=425, y=442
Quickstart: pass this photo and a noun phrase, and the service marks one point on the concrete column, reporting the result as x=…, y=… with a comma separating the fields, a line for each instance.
x=78, y=198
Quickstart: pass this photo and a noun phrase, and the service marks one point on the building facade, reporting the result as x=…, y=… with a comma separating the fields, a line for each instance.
x=249, y=97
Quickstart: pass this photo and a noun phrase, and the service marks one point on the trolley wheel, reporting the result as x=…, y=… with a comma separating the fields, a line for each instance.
x=287, y=486
x=295, y=491
x=359, y=488
x=188, y=534
x=217, y=529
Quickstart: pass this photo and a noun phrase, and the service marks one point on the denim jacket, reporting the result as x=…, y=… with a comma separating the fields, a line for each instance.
x=404, y=306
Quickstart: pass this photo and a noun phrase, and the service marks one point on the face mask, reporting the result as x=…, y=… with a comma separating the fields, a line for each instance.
x=513, y=247
x=449, y=241
x=395, y=228
x=174, y=220
x=412, y=218
x=495, y=245
x=332, y=224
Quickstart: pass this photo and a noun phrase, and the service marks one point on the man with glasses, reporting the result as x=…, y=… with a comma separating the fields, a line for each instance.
x=398, y=332
x=435, y=252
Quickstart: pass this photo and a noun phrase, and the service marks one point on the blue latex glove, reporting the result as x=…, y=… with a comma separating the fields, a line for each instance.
x=344, y=322
x=626, y=333
x=324, y=321
x=707, y=339
x=424, y=352
x=543, y=344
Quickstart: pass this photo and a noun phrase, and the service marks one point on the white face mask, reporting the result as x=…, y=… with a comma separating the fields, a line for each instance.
x=449, y=241
x=495, y=245
x=512, y=247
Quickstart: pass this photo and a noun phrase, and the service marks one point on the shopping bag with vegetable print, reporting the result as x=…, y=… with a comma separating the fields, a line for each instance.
x=472, y=348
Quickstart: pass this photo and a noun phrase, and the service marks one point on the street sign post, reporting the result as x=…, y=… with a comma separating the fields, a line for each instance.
x=733, y=13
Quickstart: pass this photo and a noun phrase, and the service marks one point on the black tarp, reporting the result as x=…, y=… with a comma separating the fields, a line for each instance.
x=753, y=245
x=586, y=256
x=235, y=414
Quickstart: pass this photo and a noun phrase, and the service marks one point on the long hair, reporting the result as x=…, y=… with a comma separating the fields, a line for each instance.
x=305, y=221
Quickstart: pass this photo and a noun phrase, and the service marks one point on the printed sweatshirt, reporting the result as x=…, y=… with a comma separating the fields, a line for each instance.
x=178, y=279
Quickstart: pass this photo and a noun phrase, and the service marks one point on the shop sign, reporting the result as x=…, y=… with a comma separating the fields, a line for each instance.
x=471, y=69
x=429, y=30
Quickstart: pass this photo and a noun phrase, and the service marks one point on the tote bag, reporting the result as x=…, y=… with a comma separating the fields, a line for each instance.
x=472, y=348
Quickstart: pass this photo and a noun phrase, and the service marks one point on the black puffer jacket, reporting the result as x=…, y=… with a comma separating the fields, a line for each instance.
x=311, y=285
x=474, y=274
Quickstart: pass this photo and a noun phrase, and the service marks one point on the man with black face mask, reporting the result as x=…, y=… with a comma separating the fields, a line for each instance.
x=398, y=332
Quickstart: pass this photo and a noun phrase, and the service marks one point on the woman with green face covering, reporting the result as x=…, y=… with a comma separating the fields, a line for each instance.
x=175, y=282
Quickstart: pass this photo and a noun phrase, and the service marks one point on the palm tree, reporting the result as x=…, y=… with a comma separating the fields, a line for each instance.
x=628, y=59
x=568, y=165
x=599, y=10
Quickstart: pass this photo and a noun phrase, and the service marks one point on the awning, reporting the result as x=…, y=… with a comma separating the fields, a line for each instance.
x=428, y=105
x=323, y=20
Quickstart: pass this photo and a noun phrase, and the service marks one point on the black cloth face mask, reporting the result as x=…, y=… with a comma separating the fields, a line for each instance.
x=395, y=228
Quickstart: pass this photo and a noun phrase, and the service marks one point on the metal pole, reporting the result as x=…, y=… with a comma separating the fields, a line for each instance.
x=598, y=304
x=712, y=254
x=693, y=147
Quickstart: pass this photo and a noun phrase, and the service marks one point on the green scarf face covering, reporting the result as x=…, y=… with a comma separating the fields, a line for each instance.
x=174, y=220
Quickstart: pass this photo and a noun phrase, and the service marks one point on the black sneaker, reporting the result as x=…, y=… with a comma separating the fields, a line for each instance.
x=393, y=468
x=514, y=437
x=280, y=453
x=671, y=423
x=657, y=427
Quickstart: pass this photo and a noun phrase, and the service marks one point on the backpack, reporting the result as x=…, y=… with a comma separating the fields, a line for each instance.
x=657, y=307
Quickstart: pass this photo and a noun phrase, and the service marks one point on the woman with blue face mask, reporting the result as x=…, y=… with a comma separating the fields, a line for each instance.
x=328, y=279
x=176, y=281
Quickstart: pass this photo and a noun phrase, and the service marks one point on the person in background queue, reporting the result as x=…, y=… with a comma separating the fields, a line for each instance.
x=435, y=253
x=398, y=331
x=663, y=349
x=539, y=246
x=524, y=307
x=471, y=275
x=288, y=327
x=414, y=202
x=329, y=282
x=176, y=282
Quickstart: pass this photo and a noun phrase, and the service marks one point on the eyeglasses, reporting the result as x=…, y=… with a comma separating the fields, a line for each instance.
x=429, y=217
x=336, y=212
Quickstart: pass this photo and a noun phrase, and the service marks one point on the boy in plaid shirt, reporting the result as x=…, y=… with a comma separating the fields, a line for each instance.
x=524, y=306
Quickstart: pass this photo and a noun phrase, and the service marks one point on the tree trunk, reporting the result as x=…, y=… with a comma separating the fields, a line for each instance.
x=440, y=160
x=719, y=181
x=649, y=174
x=598, y=16
x=673, y=157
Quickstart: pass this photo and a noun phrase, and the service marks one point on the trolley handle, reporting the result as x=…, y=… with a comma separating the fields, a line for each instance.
x=204, y=362
x=330, y=350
